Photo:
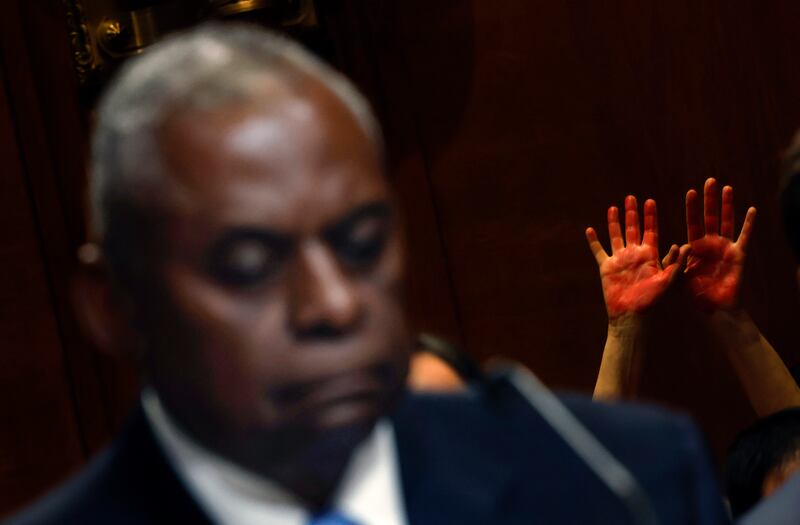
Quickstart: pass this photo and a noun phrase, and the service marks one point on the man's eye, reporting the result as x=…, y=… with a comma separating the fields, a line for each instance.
x=363, y=243
x=244, y=262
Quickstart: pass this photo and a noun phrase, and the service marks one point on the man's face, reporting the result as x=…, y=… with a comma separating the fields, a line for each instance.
x=281, y=264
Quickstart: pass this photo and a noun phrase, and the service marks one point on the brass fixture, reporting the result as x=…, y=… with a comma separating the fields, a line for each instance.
x=83, y=56
x=237, y=7
x=283, y=13
x=127, y=34
x=103, y=33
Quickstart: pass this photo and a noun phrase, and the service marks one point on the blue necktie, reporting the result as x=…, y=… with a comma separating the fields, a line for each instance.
x=331, y=517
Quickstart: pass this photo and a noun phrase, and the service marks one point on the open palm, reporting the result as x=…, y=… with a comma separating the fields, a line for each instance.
x=715, y=263
x=633, y=278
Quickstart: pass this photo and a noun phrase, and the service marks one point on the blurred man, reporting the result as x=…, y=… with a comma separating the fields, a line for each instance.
x=782, y=481
x=762, y=459
x=249, y=256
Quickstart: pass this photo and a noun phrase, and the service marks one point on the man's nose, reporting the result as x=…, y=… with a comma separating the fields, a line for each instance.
x=324, y=300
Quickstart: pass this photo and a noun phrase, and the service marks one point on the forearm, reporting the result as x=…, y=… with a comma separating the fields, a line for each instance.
x=620, y=366
x=766, y=380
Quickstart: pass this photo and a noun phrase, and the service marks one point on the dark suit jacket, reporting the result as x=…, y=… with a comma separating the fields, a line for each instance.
x=466, y=459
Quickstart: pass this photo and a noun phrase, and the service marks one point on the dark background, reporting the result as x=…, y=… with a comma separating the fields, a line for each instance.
x=512, y=125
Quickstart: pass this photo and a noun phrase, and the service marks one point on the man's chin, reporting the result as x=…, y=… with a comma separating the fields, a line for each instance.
x=358, y=398
x=346, y=423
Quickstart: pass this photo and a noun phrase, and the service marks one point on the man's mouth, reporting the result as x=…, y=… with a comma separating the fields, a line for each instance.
x=337, y=399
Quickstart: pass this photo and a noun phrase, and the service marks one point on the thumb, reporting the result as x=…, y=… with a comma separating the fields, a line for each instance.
x=671, y=256
x=678, y=262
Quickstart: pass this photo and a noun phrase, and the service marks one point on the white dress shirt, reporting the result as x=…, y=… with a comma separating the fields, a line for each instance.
x=369, y=493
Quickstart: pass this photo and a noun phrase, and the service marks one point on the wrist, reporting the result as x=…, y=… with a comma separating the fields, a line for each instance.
x=727, y=318
x=733, y=327
x=626, y=324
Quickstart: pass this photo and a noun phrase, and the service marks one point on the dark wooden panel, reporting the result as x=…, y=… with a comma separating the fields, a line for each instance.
x=511, y=126
x=532, y=117
x=53, y=146
x=39, y=435
x=66, y=399
x=362, y=51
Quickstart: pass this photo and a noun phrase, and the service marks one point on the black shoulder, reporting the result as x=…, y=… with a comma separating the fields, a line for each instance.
x=641, y=434
x=634, y=423
x=501, y=404
x=498, y=428
x=130, y=483
x=75, y=500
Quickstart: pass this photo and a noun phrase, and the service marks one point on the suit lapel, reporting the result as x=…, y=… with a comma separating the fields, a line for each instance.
x=159, y=494
x=446, y=475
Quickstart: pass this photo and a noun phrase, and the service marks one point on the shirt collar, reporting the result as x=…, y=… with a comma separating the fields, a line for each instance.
x=368, y=494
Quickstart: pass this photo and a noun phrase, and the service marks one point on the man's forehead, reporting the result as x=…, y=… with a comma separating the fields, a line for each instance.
x=250, y=133
x=269, y=162
x=285, y=208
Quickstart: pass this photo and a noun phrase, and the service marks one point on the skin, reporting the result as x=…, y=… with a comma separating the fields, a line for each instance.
x=429, y=373
x=273, y=327
x=780, y=475
x=714, y=267
x=633, y=277
x=714, y=277
x=633, y=280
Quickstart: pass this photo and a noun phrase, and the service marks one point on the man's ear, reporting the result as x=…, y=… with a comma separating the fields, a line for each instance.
x=102, y=312
x=778, y=476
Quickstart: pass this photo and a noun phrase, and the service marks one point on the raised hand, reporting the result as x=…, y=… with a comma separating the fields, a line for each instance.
x=633, y=277
x=715, y=262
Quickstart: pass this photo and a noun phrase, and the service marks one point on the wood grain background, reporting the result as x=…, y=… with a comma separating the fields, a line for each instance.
x=512, y=125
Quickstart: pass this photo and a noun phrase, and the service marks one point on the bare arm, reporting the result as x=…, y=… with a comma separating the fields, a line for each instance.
x=714, y=270
x=766, y=380
x=621, y=365
x=633, y=279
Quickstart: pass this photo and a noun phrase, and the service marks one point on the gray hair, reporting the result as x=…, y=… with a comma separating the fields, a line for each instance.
x=206, y=68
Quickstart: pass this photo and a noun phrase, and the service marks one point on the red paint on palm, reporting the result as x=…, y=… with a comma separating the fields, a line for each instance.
x=633, y=277
x=715, y=262
x=633, y=280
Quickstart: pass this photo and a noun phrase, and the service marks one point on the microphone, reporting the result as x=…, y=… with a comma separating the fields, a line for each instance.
x=614, y=475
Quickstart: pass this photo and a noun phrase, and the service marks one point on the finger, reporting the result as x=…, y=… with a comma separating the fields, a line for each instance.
x=614, y=230
x=693, y=226
x=683, y=254
x=679, y=263
x=711, y=207
x=688, y=249
x=726, y=227
x=631, y=221
x=650, y=224
x=599, y=253
x=671, y=256
x=747, y=228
